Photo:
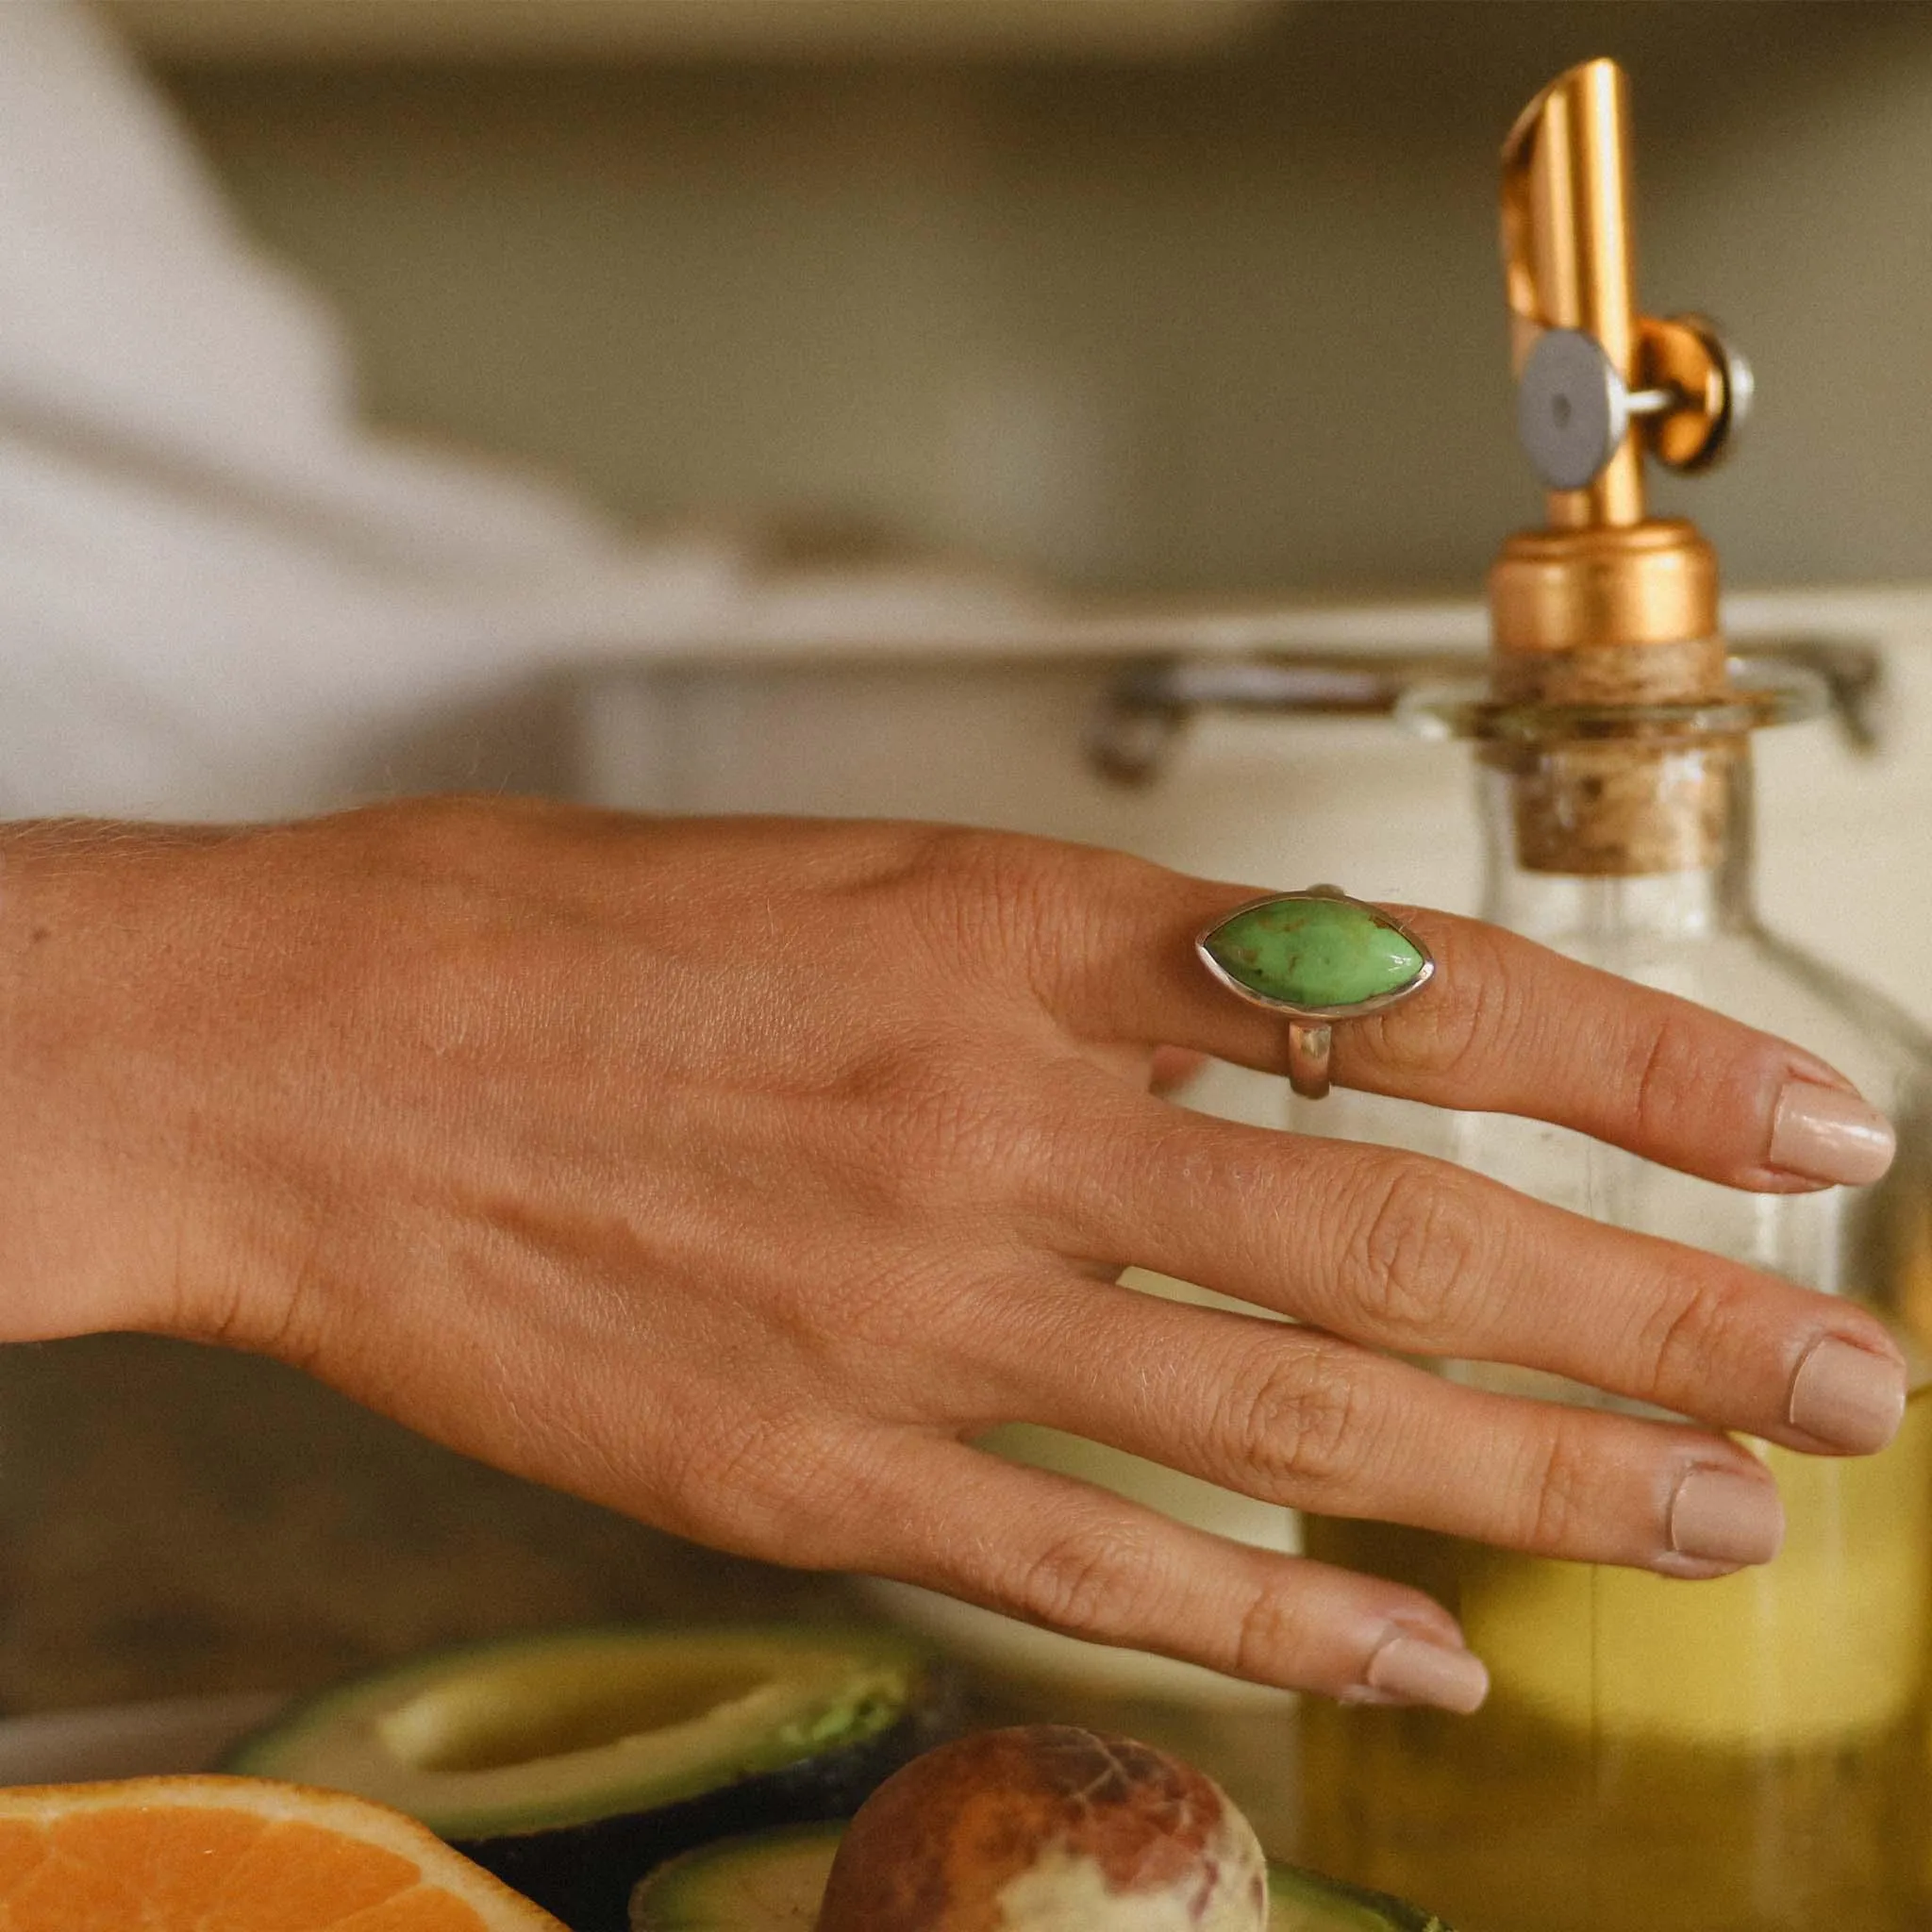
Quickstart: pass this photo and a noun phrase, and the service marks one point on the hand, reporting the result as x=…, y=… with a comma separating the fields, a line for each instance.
x=737, y=1175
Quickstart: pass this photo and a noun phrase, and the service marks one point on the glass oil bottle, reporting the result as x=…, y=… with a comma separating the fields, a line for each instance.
x=1748, y=1755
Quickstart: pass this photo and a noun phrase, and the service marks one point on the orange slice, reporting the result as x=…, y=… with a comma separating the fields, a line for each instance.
x=235, y=1855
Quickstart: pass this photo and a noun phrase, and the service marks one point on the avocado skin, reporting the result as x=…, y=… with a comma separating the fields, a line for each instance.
x=1293, y=1884
x=583, y=1873
x=1295, y=1897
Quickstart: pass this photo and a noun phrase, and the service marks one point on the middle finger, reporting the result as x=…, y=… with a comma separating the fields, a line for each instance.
x=1292, y=1416
x=1402, y=1252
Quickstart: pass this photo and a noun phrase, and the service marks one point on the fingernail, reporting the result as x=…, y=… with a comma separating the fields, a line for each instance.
x=1827, y=1134
x=1718, y=1516
x=1848, y=1396
x=1412, y=1670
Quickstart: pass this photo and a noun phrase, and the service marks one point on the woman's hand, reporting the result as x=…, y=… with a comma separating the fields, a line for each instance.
x=738, y=1174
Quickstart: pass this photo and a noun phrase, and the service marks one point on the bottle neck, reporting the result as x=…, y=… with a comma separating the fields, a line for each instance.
x=1708, y=892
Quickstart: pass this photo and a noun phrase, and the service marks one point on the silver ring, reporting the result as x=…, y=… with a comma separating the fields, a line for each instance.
x=1315, y=957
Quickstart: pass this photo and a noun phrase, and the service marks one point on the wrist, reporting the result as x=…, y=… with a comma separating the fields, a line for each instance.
x=100, y=1218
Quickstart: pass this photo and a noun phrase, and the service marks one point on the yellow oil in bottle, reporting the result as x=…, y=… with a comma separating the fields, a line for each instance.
x=1748, y=1755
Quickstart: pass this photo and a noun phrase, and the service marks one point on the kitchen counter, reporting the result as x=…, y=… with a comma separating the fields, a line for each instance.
x=181, y=1522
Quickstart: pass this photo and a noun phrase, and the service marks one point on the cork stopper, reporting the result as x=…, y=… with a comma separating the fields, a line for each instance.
x=1613, y=618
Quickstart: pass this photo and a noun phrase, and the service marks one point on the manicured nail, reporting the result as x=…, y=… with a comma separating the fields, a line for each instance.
x=1848, y=1396
x=1827, y=1134
x=1718, y=1516
x=1412, y=1670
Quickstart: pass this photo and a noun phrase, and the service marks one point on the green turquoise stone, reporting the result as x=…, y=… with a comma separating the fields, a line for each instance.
x=1313, y=951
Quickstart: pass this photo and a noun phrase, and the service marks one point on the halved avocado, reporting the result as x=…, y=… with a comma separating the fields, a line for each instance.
x=772, y=1881
x=571, y=1761
x=769, y=1881
x=1301, y=1901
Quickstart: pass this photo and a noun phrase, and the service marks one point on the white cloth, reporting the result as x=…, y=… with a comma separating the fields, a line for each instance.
x=217, y=590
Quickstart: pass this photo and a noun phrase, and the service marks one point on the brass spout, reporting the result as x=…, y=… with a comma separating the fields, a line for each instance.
x=1605, y=607
x=1600, y=385
x=1568, y=259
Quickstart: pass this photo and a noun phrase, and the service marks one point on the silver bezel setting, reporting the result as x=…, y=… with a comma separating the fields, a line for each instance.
x=1359, y=1009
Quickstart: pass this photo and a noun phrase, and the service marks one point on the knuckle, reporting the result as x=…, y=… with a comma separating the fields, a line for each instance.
x=1271, y=1636
x=1668, y=1077
x=1682, y=1342
x=1037, y=910
x=967, y=860
x=452, y=834
x=1300, y=1421
x=1093, y=1576
x=1557, y=1488
x=985, y=892
x=1421, y=1254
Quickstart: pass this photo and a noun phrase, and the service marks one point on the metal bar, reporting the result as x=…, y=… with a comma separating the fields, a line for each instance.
x=1147, y=705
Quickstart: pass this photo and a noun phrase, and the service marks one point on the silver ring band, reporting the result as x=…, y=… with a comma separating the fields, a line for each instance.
x=1307, y=1058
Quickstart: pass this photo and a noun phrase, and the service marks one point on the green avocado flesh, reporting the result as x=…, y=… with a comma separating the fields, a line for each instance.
x=567, y=1727
x=570, y=1762
x=772, y=1881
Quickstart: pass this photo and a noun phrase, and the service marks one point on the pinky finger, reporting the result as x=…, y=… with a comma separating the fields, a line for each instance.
x=1077, y=1558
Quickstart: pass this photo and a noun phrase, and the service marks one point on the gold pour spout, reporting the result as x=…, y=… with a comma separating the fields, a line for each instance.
x=1601, y=383
x=1606, y=610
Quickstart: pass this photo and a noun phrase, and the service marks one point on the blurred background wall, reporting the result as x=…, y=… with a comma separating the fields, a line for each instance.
x=1201, y=309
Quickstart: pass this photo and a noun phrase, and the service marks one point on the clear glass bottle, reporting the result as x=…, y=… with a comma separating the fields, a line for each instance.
x=1743, y=1756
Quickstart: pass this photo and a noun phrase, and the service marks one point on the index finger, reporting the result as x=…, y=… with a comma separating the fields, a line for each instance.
x=1504, y=1025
